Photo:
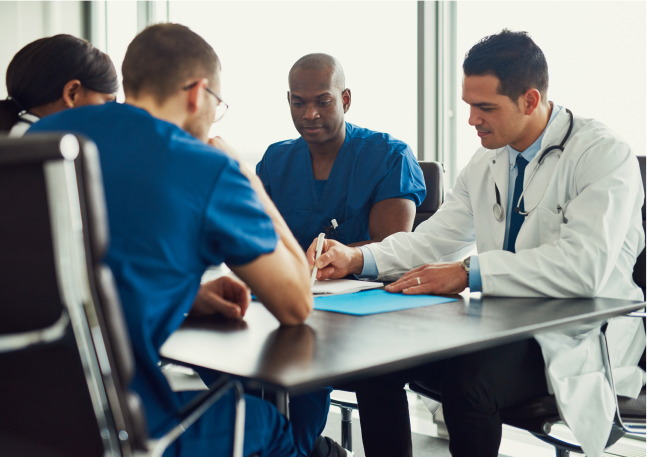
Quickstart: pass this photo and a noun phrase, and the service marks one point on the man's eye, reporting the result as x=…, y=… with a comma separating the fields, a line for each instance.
x=486, y=109
x=324, y=103
x=296, y=104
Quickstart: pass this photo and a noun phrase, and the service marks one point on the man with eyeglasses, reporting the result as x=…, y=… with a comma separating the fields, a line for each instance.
x=356, y=185
x=177, y=205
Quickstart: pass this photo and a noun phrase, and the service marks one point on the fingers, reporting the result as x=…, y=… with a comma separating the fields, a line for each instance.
x=402, y=284
x=211, y=302
x=310, y=254
x=225, y=307
x=232, y=291
x=325, y=273
x=327, y=258
x=418, y=289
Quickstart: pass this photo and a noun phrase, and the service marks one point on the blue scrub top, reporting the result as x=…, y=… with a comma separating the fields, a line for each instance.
x=370, y=167
x=175, y=206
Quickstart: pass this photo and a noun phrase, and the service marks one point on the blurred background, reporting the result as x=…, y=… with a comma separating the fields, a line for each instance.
x=402, y=60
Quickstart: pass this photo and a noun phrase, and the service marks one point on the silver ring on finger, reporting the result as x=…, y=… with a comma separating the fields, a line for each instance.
x=418, y=278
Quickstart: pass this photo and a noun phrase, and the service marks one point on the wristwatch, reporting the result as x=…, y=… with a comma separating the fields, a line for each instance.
x=466, y=266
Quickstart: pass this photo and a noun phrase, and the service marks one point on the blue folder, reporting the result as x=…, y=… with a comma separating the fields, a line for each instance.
x=374, y=301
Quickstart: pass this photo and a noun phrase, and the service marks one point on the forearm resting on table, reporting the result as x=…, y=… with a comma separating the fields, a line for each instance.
x=281, y=282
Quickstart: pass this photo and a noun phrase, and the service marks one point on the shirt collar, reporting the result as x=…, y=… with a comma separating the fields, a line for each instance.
x=533, y=149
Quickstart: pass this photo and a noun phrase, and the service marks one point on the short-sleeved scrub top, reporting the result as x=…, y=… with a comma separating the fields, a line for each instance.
x=370, y=167
x=175, y=206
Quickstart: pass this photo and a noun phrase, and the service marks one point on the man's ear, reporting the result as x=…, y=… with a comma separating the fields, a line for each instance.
x=345, y=98
x=530, y=101
x=71, y=93
x=195, y=95
x=289, y=98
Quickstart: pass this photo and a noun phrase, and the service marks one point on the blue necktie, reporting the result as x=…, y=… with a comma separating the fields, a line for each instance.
x=516, y=220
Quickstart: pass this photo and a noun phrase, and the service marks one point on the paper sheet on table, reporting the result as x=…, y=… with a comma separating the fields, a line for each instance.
x=376, y=301
x=343, y=286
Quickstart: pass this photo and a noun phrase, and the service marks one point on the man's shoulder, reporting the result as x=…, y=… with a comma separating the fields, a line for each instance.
x=596, y=132
x=284, y=146
x=377, y=141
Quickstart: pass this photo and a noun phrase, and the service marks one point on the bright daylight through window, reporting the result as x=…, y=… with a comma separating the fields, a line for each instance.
x=596, y=75
x=595, y=53
x=258, y=42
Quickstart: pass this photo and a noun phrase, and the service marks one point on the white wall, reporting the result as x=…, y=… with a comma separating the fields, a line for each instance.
x=23, y=22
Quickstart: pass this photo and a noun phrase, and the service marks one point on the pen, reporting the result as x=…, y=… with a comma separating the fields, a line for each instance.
x=320, y=241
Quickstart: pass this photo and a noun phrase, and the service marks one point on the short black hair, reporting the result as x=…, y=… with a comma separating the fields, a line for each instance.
x=162, y=57
x=514, y=59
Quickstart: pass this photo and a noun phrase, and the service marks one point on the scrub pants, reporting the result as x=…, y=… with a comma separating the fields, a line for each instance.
x=475, y=388
x=267, y=433
x=308, y=413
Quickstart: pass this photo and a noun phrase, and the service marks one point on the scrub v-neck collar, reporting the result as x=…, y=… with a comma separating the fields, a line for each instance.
x=319, y=202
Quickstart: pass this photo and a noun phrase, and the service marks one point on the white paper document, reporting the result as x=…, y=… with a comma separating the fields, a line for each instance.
x=343, y=286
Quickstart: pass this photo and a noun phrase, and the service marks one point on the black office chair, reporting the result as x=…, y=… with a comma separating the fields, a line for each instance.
x=539, y=415
x=435, y=184
x=64, y=350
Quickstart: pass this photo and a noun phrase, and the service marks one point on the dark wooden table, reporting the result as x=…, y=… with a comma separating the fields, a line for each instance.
x=334, y=348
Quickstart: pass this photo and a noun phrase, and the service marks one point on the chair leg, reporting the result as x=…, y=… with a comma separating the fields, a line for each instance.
x=347, y=428
x=561, y=452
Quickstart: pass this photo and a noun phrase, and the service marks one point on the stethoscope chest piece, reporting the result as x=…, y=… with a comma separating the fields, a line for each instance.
x=498, y=212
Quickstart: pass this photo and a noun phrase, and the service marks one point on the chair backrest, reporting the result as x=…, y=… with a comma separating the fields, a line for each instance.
x=435, y=183
x=64, y=347
x=639, y=267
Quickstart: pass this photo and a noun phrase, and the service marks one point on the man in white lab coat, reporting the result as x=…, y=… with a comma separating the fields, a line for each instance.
x=553, y=203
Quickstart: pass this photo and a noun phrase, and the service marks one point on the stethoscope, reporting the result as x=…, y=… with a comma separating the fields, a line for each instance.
x=498, y=210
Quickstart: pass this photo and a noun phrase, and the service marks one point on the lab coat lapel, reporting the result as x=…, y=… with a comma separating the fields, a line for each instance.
x=500, y=171
x=536, y=188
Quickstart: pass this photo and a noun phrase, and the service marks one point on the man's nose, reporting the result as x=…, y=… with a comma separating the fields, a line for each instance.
x=474, y=120
x=311, y=112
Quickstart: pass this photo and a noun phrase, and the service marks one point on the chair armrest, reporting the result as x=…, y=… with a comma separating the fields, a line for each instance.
x=191, y=412
x=618, y=423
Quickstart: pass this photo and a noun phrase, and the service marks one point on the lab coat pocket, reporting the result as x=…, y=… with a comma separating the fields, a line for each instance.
x=549, y=225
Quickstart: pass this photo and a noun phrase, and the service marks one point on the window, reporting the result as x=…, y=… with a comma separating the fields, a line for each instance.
x=258, y=42
x=121, y=20
x=596, y=60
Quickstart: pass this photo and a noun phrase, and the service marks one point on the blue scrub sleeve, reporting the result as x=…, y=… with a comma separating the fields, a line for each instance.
x=261, y=171
x=404, y=178
x=475, y=275
x=369, y=270
x=236, y=228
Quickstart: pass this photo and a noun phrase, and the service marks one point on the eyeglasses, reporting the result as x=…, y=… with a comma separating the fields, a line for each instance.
x=222, y=106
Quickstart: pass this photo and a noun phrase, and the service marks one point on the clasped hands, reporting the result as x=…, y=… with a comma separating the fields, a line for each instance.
x=337, y=260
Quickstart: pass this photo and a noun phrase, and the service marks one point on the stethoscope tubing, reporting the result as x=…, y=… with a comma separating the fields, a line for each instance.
x=498, y=210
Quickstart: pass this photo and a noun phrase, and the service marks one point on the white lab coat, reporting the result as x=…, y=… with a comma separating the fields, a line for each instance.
x=587, y=249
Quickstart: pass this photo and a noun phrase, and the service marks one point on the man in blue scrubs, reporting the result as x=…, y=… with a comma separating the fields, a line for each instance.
x=177, y=205
x=356, y=185
x=368, y=182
